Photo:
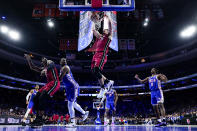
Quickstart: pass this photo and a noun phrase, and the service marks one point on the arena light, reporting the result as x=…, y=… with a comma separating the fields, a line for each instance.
x=4, y=29
x=188, y=32
x=3, y=17
x=145, y=24
x=14, y=35
x=147, y=20
x=50, y=23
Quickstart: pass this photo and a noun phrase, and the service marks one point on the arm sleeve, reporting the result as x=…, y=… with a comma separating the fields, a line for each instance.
x=103, y=99
x=28, y=95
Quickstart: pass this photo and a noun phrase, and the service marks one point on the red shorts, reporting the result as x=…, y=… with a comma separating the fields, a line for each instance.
x=52, y=87
x=31, y=111
x=99, y=59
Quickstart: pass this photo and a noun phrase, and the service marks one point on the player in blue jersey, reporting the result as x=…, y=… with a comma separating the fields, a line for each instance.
x=71, y=91
x=29, y=101
x=111, y=101
x=157, y=99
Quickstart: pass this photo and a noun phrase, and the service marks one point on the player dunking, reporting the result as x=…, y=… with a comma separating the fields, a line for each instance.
x=157, y=99
x=111, y=101
x=100, y=49
x=47, y=91
x=30, y=103
x=71, y=91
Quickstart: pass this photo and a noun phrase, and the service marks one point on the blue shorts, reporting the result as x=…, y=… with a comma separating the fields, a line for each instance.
x=157, y=97
x=72, y=93
x=110, y=106
x=30, y=105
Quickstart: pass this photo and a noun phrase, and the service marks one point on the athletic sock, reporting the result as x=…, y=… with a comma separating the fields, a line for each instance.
x=71, y=109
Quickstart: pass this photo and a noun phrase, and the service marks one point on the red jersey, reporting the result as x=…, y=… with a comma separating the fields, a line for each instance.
x=101, y=44
x=53, y=83
x=52, y=73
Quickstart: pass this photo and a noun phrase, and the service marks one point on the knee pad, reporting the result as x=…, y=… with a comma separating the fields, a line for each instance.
x=97, y=73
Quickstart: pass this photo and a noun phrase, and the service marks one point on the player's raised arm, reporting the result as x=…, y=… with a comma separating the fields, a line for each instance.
x=64, y=71
x=103, y=99
x=116, y=98
x=140, y=80
x=110, y=28
x=96, y=33
x=163, y=78
x=31, y=64
x=28, y=96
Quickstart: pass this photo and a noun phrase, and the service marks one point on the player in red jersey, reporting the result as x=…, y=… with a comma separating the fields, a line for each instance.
x=100, y=49
x=52, y=86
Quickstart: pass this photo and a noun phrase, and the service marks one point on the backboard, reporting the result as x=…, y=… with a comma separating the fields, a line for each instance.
x=89, y=5
x=86, y=32
x=96, y=104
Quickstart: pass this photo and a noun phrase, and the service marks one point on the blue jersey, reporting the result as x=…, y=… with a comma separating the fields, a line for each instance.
x=154, y=83
x=33, y=95
x=31, y=102
x=69, y=80
x=110, y=96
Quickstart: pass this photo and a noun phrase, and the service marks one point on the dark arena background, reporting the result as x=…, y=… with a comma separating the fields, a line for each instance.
x=146, y=34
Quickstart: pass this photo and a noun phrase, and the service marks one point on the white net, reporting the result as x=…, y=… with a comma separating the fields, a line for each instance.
x=96, y=105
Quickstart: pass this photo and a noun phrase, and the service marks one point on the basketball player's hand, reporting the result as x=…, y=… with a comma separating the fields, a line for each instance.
x=43, y=72
x=115, y=104
x=163, y=77
x=28, y=57
x=27, y=102
x=136, y=76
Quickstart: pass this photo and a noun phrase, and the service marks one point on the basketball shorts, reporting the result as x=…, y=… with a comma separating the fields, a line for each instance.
x=30, y=105
x=110, y=106
x=72, y=93
x=99, y=60
x=157, y=97
x=52, y=87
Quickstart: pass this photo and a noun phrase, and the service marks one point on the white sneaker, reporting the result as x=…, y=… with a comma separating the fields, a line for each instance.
x=109, y=84
x=86, y=115
x=106, y=124
x=72, y=124
x=101, y=93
